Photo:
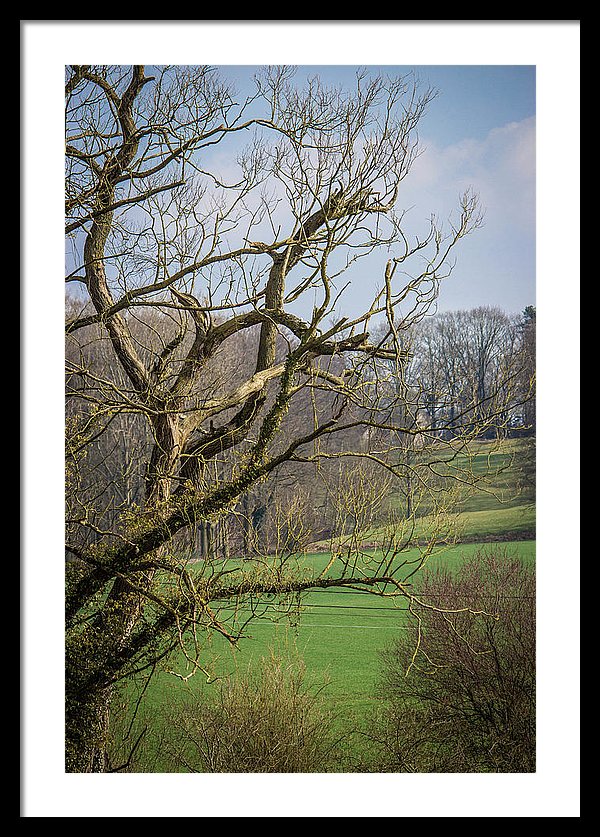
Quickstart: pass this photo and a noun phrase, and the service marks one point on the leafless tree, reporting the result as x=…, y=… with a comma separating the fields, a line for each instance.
x=465, y=363
x=458, y=688
x=527, y=334
x=205, y=312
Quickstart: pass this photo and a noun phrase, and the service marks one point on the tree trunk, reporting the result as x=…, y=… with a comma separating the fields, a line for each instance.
x=202, y=539
x=87, y=726
x=210, y=549
x=92, y=661
x=246, y=526
x=92, y=654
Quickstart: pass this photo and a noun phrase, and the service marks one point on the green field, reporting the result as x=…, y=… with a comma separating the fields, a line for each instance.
x=496, y=500
x=340, y=633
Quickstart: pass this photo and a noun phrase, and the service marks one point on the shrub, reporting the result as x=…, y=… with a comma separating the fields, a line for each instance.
x=266, y=720
x=458, y=689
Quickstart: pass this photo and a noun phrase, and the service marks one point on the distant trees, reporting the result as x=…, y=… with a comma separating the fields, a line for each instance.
x=467, y=365
x=458, y=689
x=196, y=385
x=527, y=326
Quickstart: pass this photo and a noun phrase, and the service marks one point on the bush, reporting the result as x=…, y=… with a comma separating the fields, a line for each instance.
x=263, y=721
x=458, y=690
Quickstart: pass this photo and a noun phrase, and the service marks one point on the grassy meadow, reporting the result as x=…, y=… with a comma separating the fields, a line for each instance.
x=338, y=633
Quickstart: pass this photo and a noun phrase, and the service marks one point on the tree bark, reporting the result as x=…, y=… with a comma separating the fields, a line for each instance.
x=87, y=730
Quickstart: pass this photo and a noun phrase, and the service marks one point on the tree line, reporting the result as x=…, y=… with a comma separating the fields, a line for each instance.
x=460, y=365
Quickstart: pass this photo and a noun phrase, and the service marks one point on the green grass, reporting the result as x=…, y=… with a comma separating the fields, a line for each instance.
x=502, y=503
x=338, y=633
x=511, y=522
x=505, y=473
x=506, y=522
x=496, y=501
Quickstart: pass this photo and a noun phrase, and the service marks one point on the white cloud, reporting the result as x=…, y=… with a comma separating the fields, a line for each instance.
x=500, y=168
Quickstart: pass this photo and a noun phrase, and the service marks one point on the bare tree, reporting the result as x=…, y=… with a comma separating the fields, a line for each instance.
x=465, y=363
x=458, y=688
x=190, y=339
x=527, y=333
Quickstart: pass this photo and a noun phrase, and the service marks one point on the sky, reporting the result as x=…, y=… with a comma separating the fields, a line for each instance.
x=478, y=132
x=477, y=128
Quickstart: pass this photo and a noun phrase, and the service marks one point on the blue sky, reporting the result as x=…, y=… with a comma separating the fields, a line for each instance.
x=472, y=99
x=478, y=132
